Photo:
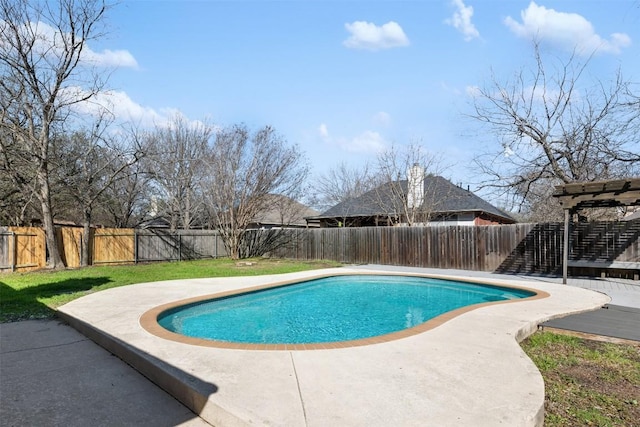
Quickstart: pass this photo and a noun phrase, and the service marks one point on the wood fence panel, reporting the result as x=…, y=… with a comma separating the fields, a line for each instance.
x=165, y=245
x=70, y=245
x=199, y=244
x=383, y=256
x=158, y=246
x=113, y=245
x=28, y=248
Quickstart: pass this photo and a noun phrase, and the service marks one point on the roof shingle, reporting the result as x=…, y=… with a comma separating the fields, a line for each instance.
x=440, y=196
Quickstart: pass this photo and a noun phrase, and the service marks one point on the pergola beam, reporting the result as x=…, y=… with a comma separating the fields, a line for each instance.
x=587, y=195
x=625, y=192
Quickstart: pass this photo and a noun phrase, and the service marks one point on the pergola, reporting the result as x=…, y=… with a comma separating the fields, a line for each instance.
x=587, y=195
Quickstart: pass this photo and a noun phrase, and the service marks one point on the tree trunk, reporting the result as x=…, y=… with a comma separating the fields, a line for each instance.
x=86, y=238
x=54, y=261
x=234, y=247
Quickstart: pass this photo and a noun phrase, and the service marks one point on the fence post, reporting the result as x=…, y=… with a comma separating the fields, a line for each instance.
x=82, y=249
x=14, y=251
x=179, y=246
x=135, y=245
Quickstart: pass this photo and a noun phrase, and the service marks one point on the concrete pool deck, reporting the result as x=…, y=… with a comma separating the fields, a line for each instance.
x=467, y=371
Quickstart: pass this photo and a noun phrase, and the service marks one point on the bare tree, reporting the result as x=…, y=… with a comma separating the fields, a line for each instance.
x=41, y=75
x=17, y=195
x=342, y=183
x=126, y=202
x=411, y=201
x=245, y=170
x=176, y=155
x=92, y=160
x=555, y=126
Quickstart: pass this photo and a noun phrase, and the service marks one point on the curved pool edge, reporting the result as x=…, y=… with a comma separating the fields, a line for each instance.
x=469, y=371
x=149, y=319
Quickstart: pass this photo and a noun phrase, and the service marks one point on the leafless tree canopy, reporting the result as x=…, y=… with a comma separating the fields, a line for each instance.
x=413, y=203
x=554, y=125
x=176, y=161
x=42, y=74
x=342, y=183
x=244, y=169
x=126, y=202
x=91, y=161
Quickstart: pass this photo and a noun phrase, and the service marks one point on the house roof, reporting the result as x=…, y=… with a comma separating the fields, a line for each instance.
x=440, y=195
x=283, y=210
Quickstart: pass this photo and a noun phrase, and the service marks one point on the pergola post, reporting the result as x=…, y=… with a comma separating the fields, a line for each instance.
x=565, y=251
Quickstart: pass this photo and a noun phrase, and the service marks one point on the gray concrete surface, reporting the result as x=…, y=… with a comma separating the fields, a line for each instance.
x=51, y=375
x=469, y=371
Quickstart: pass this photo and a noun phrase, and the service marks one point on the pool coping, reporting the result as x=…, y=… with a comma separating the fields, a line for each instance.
x=469, y=370
x=149, y=319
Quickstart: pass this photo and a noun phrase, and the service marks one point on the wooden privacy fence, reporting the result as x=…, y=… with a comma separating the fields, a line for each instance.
x=459, y=247
x=24, y=248
x=515, y=249
x=112, y=245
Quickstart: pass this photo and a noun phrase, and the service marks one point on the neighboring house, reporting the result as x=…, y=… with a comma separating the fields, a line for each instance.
x=279, y=212
x=429, y=200
x=283, y=212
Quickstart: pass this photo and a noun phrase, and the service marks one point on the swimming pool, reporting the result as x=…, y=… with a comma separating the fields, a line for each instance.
x=344, y=308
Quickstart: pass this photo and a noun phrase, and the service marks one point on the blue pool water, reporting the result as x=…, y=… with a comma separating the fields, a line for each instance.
x=338, y=308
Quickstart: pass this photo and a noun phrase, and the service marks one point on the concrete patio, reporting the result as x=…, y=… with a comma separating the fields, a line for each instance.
x=448, y=375
x=456, y=374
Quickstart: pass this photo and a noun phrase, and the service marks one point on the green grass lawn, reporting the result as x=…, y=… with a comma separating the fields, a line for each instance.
x=35, y=295
x=587, y=382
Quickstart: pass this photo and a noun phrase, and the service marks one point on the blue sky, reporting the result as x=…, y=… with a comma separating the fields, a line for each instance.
x=345, y=79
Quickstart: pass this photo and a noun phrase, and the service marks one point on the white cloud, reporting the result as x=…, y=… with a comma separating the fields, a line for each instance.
x=126, y=109
x=324, y=132
x=461, y=20
x=472, y=91
x=120, y=107
x=368, y=36
x=568, y=31
x=110, y=58
x=546, y=94
x=381, y=118
x=367, y=142
x=49, y=42
x=538, y=94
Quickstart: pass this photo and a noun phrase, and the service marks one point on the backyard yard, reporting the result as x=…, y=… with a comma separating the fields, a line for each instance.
x=587, y=382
